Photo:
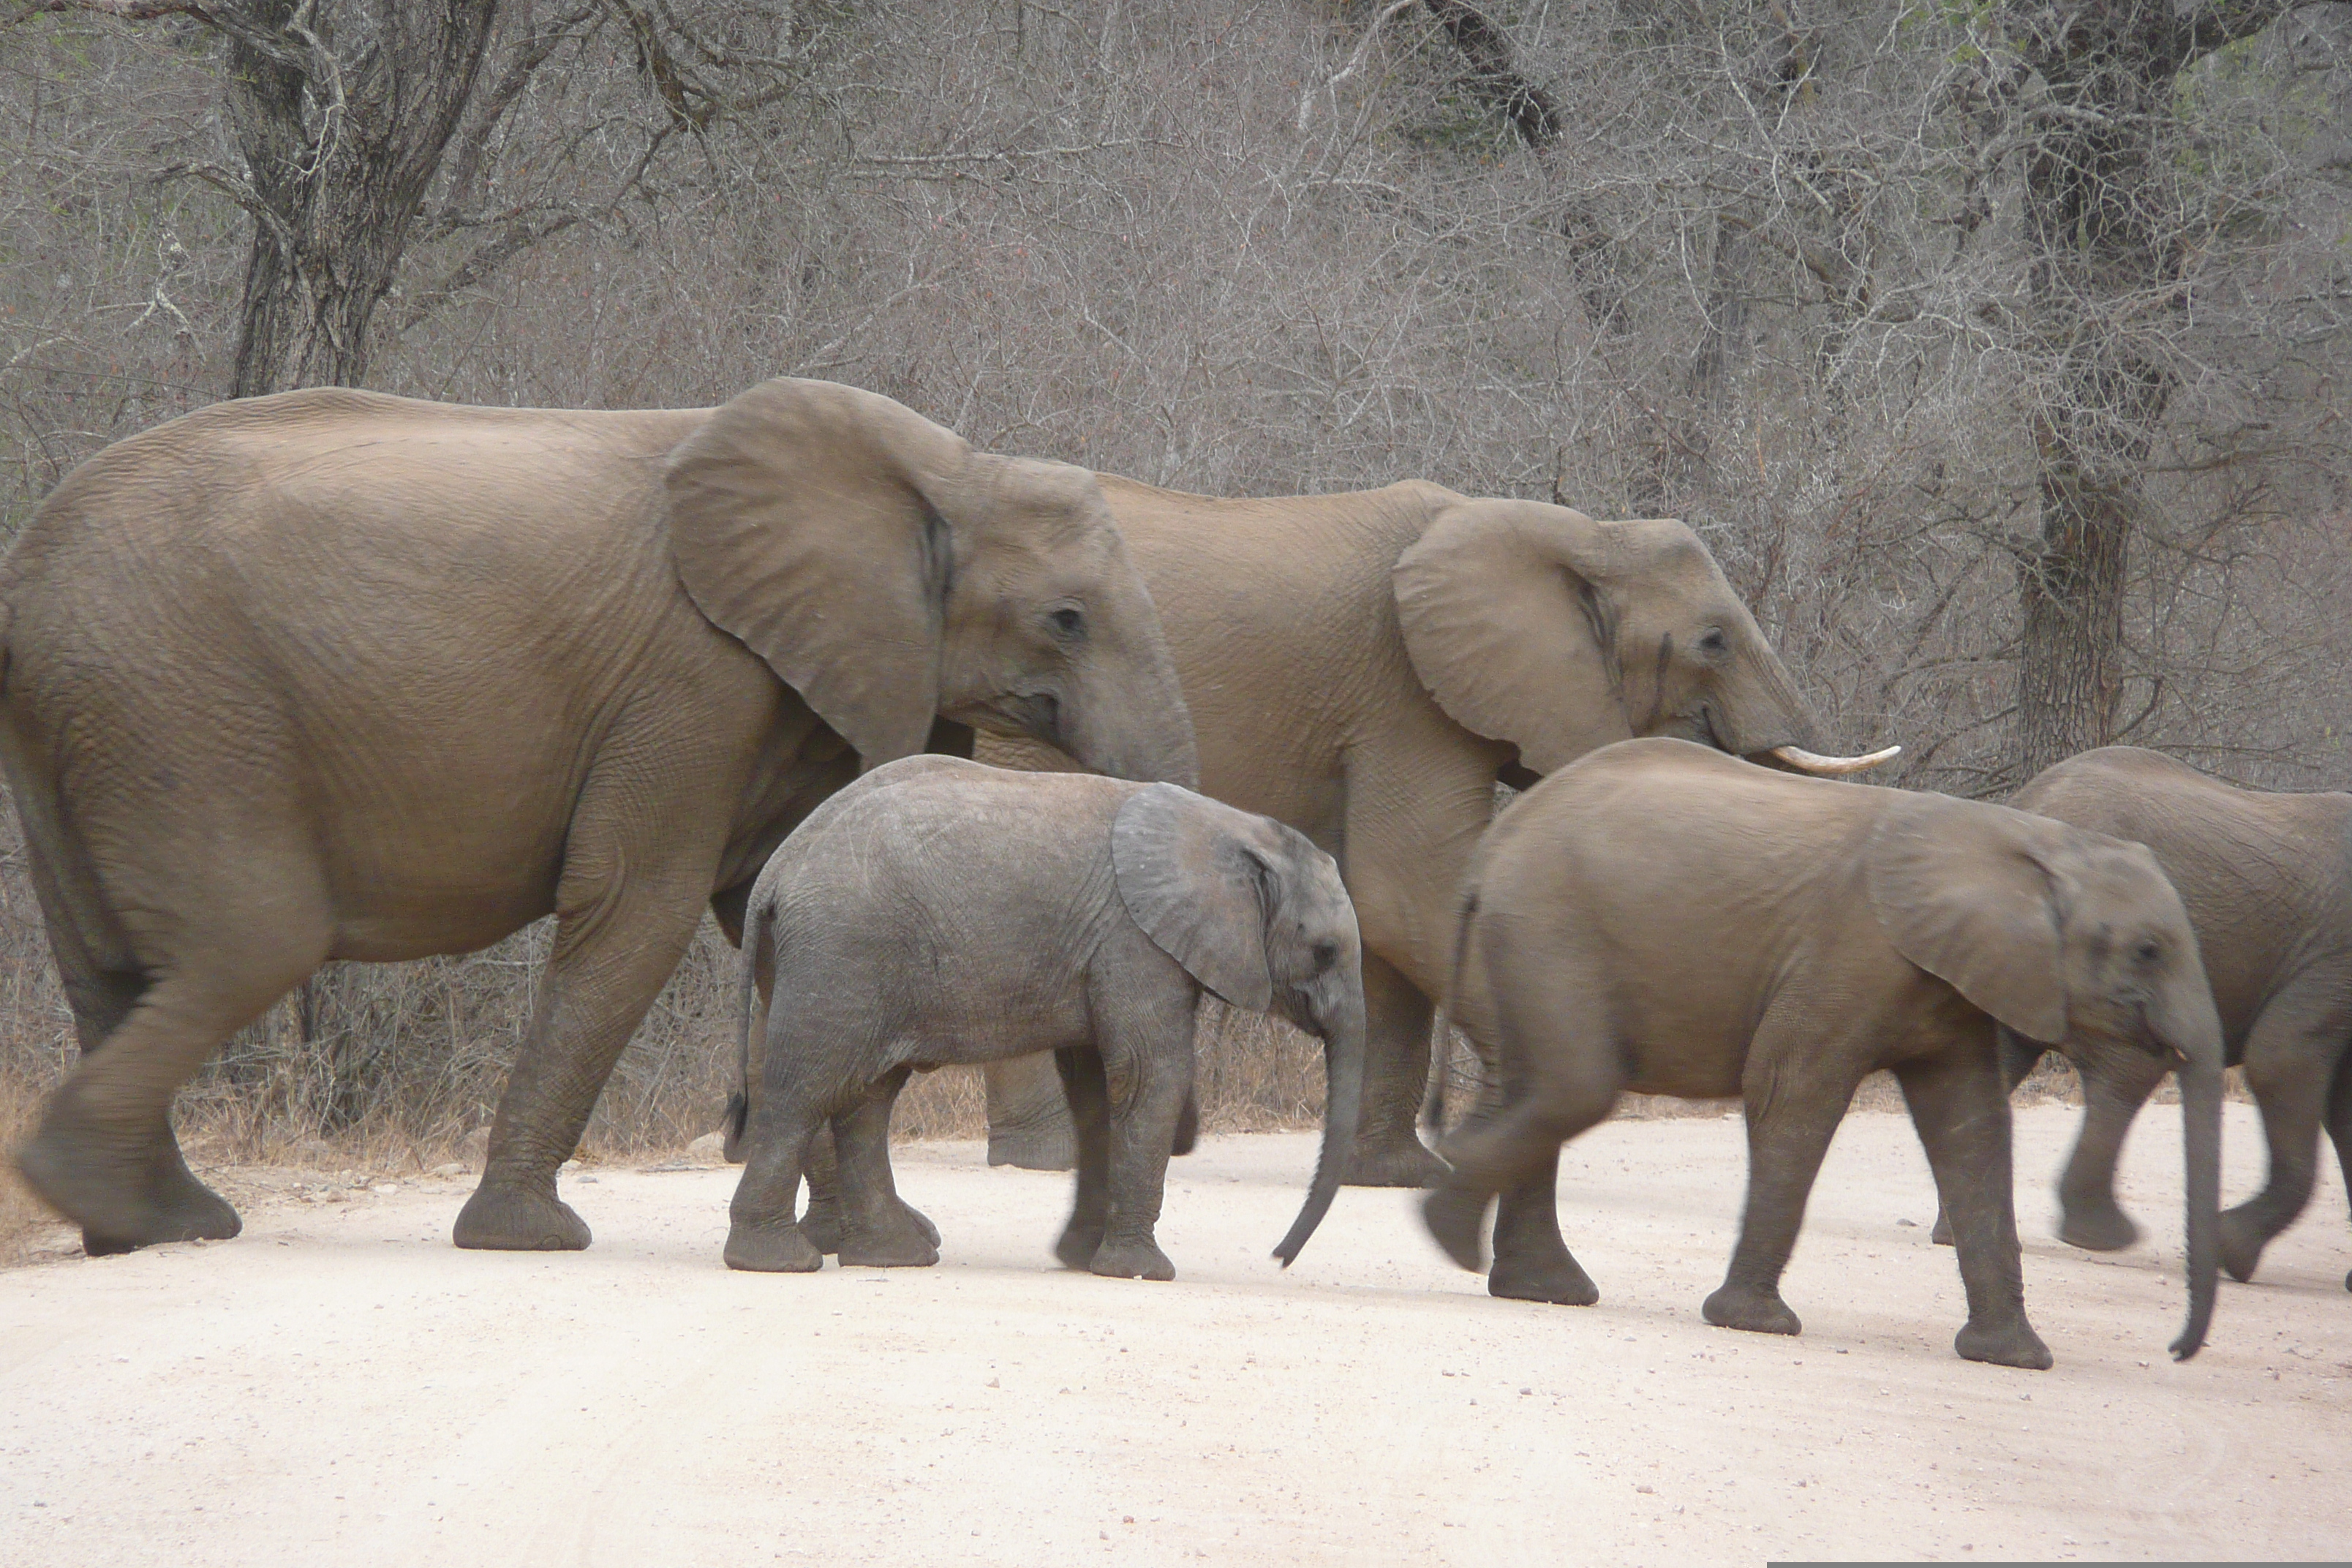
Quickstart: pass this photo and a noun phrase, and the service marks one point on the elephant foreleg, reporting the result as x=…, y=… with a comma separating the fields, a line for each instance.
x=1961, y=1112
x=2089, y=1216
x=879, y=1230
x=2018, y=1058
x=1146, y=1061
x=1080, y=1069
x=1397, y=1018
x=1797, y=1092
x=624, y=918
x=2339, y=1124
x=1029, y=1116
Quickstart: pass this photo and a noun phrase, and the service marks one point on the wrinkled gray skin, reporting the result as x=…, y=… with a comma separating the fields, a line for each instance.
x=939, y=912
x=330, y=675
x=2267, y=882
x=1364, y=667
x=1662, y=919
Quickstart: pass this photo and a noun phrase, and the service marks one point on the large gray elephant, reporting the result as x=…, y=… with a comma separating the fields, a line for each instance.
x=939, y=912
x=1664, y=919
x=2267, y=882
x=1365, y=667
x=330, y=675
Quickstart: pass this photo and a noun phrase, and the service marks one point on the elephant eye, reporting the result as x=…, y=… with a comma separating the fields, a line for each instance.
x=1324, y=954
x=1069, y=622
x=2147, y=952
x=1714, y=642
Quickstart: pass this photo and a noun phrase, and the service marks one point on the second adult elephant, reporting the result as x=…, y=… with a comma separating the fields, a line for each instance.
x=331, y=675
x=2267, y=882
x=1365, y=667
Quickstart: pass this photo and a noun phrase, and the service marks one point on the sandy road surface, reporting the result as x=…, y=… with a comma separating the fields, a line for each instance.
x=341, y=1386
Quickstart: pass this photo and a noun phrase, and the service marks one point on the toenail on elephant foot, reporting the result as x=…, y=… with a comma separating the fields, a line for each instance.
x=1757, y=1313
x=1131, y=1261
x=1034, y=1148
x=1399, y=1160
x=1079, y=1244
x=2097, y=1227
x=2004, y=1344
x=771, y=1250
x=1455, y=1215
x=1560, y=1281
x=509, y=1219
x=2241, y=1246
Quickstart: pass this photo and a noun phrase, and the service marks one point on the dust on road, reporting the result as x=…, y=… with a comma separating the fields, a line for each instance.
x=340, y=1386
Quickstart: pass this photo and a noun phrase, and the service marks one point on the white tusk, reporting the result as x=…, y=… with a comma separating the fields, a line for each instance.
x=1807, y=762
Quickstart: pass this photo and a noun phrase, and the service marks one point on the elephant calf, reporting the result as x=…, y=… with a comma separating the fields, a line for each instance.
x=940, y=911
x=1662, y=917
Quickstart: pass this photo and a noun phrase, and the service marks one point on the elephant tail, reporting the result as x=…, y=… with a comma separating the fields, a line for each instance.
x=1432, y=1105
x=757, y=921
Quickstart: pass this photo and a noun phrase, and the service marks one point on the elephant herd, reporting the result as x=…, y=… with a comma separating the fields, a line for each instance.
x=334, y=675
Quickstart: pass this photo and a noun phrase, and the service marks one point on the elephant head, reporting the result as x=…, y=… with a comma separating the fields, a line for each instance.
x=894, y=577
x=2073, y=939
x=1257, y=914
x=1535, y=625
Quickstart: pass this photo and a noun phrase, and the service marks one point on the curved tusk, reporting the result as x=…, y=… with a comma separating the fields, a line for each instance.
x=1808, y=762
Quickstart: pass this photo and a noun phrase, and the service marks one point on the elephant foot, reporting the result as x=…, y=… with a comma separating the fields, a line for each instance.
x=1137, y=1259
x=904, y=1240
x=1053, y=1148
x=1395, y=1160
x=2097, y=1227
x=503, y=1218
x=1558, y=1279
x=1756, y=1311
x=2241, y=1244
x=822, y=1225
x=771, y=1250
x=1942, y=1234
x=1079, y=1241
x=2013, y=1343
x=122, y=1209
x=1455, y=1215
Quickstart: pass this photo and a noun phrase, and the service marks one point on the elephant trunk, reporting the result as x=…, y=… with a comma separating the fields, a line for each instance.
x=2200, y=1118
x=1343, y=1057
x=1124, y=715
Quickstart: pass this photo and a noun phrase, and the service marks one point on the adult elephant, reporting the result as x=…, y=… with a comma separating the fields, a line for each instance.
x=2267, y=882
x=331, y=675
x=1365, y=667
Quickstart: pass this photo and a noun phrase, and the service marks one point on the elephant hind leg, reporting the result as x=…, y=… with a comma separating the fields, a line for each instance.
x=104, y=1155
x=2339, y=1125
x=2293, y=1054
x=877, y=1229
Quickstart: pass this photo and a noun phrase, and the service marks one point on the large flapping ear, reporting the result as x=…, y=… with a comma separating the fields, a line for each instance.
x=1962, y=889
x=1192, y=879
x=802, y=522
x=1506, y=622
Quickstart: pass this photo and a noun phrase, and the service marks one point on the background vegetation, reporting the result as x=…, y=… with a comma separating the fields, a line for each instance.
x=1995, y=348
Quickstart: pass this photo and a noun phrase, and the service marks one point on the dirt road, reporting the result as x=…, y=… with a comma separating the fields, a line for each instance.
x=341, y=1387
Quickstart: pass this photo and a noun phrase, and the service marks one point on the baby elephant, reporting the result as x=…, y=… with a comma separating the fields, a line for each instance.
x=939, y=912
x=1662, y=917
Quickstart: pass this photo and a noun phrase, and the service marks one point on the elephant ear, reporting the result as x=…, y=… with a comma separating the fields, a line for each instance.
x=1188, y=876
x=802, y=522
x=1506, y=622
x=1964, y=891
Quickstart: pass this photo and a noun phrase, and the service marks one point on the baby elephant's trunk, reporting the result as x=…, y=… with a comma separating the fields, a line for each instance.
x=1343, y=1061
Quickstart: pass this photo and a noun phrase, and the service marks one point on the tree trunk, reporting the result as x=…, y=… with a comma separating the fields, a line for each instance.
x=343, y=110
x=2070, y=585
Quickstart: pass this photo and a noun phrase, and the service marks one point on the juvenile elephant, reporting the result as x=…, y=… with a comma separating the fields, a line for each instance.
x=1664, y=919
x=1364, y=667
x=330, y=675
x=939, y=912
x=2267, y=882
